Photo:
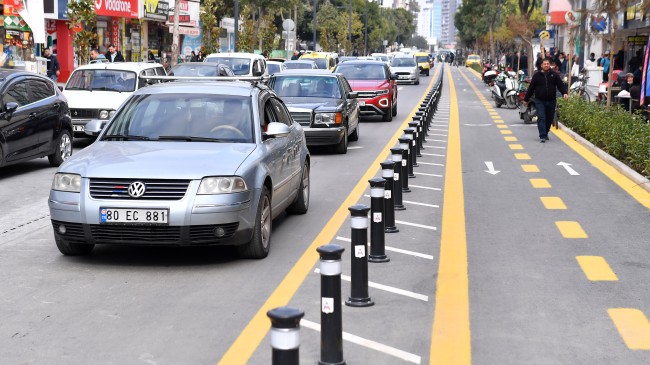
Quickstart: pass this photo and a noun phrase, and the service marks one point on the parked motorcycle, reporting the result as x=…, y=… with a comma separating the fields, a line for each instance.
x=504, y=90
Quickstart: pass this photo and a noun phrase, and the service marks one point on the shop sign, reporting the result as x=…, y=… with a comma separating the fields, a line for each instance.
x=15, y=22
x=117, y=8
x=13, y=7
x=637, y=40
x=186, y=31
x=188, y=14
x=115, y=32
x=156, y=9
x=50, y=26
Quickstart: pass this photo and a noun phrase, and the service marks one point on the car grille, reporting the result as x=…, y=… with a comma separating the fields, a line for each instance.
x=84, y=113
x=302, y=118
x=367, y=94
x=155, y=189
x=403, y=73
x=109, y=233
x=199, y=234
x=73, y=231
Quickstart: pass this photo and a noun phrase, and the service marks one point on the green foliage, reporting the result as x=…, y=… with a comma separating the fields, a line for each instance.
x=624, y=136
x=245, y=38
x=477, y=68
x=209, y=26
x=268, y=33
x=82, y=13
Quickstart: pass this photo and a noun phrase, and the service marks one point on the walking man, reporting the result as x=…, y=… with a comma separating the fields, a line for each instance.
x=113, y=55
x=53, y=68
x=544, y=85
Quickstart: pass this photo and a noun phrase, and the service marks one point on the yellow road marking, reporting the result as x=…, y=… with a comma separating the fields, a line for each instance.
x=596, y=268
x=498, y=121
x=451, y=336
x=530, y=168
x=540, y=183
x=510, y=139
x=506, y=132
x=250, y=338
x=571, y=229
x=633, y=326
x=495, y=116
x=552, y=202
x=522, y=156
x=514, y=146
x=501, y=126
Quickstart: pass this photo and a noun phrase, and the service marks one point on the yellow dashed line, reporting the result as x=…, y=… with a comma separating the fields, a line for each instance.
x=516, y=147
x=521, y=156
x=506, y=132
x=529, y=168
x=571, y=229
x=633, y=326
x=552, y=202
x=540, y=183
x=596, y=268
x=510, y=139
x=502, y=126
x=495, y=116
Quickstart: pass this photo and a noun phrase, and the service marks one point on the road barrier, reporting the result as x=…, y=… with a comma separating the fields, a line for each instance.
x=387, y=172
x=377, y=238
x=415, y=124
x=331, y=332
x=285, y=335
x=359, y=296
x=404, y=175
x=396, y=155
x=410, y=135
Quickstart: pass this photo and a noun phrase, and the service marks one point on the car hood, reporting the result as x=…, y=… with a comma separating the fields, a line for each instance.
x=312, y=103
x=369, y=84
x=84, y=99
x=158, y=160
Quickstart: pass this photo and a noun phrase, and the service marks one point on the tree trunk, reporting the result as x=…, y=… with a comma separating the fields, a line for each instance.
x=611, y=59
x=492, y=50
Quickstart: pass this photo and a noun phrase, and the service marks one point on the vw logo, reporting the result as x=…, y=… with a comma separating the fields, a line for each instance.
x=137, y=189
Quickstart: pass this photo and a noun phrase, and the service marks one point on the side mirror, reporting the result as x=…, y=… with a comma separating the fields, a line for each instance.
x=276, y=130
x=94, y=127
x=60, y=87
x=258, y=73
x=353, y=95
x=9, y=109
x=393, y=76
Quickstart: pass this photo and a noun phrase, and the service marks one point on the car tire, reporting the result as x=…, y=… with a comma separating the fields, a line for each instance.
x=395, y=110
x=388, y=115
x=417, y=82
x=428, y=72
x=72, y=248
x=355, y=135
x=342, y=147
x=62, y=150
x=258, y=247
x=301, y=204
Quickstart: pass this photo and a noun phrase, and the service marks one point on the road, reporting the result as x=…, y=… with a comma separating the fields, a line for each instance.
x=532, y=264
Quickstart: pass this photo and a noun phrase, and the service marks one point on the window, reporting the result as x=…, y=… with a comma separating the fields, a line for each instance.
x=40, y=90
x=17, y=93
x=281, y=112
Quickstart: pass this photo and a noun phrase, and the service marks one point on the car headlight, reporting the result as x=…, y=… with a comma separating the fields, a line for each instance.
x=67, y=182
x=382, y=92
x=328, y=118
x=222, y=185
x=103, y=114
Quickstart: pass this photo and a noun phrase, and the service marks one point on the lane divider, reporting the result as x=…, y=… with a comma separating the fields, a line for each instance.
x=387, y=288
x=596, y=268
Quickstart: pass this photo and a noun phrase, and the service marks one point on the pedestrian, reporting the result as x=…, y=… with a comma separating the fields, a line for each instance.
x=53, y=68
x=591, y=62
x=151, y=57
x=604, y=63
x=96, y=56
x=113, y=55
x=194, y=57
x=200, y=56
x=575, y=69
x=563, y=64
x=544, y=84
x=295, y=56
x=523, y=63
x=619, y=59
x=635, y=61
x=538, y=62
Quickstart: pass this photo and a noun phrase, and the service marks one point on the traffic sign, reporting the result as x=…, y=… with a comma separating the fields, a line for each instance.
x=544, y=35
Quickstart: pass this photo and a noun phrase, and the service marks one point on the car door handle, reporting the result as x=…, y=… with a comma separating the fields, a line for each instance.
x=32, y=115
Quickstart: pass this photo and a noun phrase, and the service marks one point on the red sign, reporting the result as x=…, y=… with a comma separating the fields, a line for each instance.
x=12, y=7
x=181, y=18
x=115, y=32
x=50, y=26
x=117, y=8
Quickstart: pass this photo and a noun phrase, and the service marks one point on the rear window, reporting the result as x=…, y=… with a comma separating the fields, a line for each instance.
x=240, y=66
x=420, y=59
x=362, y=71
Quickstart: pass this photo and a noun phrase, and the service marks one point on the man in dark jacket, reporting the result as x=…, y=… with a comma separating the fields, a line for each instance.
x=544, y=84
x=113, y=55
x=53, y=68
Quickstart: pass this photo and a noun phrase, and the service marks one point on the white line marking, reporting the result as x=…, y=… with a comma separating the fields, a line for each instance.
x=438, y=134
x=355, y=147
x=439, y=130
x=398, y=250
x=430, y=146
x=568, y=168
x=423, y=174
x=431, y=163
x=437, y=140
x=387, y=288
x=406, y=356
x=424, y=187
x=417, y=225
x=422, y=204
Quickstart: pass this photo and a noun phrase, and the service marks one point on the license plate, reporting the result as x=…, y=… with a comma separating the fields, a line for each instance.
x=134, y=216
x=78, y=128
x=403, y=77
x=362, y=103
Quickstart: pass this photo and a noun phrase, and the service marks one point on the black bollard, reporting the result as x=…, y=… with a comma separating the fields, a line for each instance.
x=416, y=128
x=331, y=333
x=410, y=134
x=396, y=155
x=377, y=239
x=359, y=296
x=285, y=335
x=387, y=172
x=404, y=175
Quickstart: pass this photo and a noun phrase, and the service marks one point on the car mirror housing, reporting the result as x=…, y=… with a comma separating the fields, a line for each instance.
x=353, y=95
x=94, y=127
x=277, y=130
x=9, y=109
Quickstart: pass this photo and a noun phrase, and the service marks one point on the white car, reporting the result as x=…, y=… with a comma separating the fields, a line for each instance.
x=95, y=91
x=406, y=69
x=241, y=63
x=275, y=67
x=382, y=57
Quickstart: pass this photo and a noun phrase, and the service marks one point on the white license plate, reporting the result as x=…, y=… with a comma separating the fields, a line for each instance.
x=78, y=128
x=133, y=216
x=362, y=103
x=404, y=77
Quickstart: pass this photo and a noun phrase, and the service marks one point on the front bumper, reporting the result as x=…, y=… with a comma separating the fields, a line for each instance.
x=323, y=136
x=407, y=78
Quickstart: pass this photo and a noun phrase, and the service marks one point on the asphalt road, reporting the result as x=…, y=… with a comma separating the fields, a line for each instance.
x=485, y=269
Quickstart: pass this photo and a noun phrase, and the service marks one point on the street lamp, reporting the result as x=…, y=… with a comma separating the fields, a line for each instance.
x=314, y=25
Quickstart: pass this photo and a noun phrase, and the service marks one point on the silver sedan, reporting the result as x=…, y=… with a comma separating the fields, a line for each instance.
x=196, y=163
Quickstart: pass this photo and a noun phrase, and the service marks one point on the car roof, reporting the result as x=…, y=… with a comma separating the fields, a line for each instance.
x=121, y=66
x=240, y=88
x=317, y=72
x=235, y=54
x=301, y=61
x=364, y=62
x=274, y=63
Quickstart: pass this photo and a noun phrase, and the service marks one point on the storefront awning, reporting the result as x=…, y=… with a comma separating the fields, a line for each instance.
x=557, y=10
x=34, y=15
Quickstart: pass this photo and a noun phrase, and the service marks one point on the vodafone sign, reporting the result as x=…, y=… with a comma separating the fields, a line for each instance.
x=117, y=8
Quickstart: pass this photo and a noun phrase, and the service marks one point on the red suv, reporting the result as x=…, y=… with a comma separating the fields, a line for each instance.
x=375, y=86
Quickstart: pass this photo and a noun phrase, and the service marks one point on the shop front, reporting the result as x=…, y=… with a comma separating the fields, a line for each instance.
x=154, y=28
x=118, y=24
x=18, y=42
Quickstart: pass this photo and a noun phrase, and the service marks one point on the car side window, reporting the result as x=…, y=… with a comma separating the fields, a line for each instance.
x=269, y=115
x=40, y=90
x=160, y=71
x=17, y=93
x=281, y=113
x=346, y=85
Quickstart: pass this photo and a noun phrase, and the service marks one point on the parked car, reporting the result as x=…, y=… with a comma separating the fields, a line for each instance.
x=473, y=59
x=241, y=63
x=187, y=164
x=34, y=121
x=95, y=91
x=406, y=69
x=323, y=103
x=207, y=69
x=301, y=65
x=275, y=67
x=375, y=87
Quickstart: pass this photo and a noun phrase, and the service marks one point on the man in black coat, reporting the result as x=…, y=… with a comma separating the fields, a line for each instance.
x=113, y=55
x=53, y=68
x=544, y=84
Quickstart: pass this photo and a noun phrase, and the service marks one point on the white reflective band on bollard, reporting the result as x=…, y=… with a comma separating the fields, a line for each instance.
x=376, y=192
x=359, y=222
x=404, y=146
x=397, y=158
x=387, y=173
x=330, y=267
x=285, y=338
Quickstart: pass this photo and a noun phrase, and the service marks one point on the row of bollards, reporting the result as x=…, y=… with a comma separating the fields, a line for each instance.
x=386, y=195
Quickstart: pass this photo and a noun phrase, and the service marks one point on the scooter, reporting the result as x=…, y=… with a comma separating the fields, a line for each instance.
x=503, y=90
x=512, y=89
x=528, y=113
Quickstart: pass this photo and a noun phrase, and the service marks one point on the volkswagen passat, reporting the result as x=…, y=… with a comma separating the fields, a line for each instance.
x=185, y=163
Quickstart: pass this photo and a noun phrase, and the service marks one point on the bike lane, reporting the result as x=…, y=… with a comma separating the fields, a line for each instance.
x=557, y=254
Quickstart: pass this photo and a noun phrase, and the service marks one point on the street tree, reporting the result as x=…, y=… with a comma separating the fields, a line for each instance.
x=82, y=19
x=209, y=27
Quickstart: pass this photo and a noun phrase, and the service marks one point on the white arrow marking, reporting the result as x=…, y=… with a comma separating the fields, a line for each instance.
x=490, y=167
x=568, y=168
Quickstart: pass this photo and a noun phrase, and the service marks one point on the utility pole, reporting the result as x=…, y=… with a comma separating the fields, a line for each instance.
x=314, y=49
x=236, y=24
x=175, y=41
x=350, y=28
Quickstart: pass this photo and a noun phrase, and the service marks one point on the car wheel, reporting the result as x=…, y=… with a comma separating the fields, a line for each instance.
x=258, y=247
x=72, y=248
x=428, y=72
x=342, y=147
x=395, y=110
x=355, y=135
x=388, y=114
x=63, y=149
x=417, y=82
x=301, y=204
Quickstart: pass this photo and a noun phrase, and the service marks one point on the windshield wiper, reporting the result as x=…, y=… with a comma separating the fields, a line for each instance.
x=127, y=137
x=189, y=139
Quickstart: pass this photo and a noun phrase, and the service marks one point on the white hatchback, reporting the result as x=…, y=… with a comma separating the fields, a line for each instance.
x=95, y=91
x=241, y=63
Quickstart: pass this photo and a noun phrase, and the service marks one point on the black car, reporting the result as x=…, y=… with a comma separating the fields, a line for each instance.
x=207, y=69
x=323, y=103
x=34, y=120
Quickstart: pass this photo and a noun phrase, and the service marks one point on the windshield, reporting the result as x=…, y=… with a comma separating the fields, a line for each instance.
x=184, y=117
x=306, y=86
x=362, y=71
x=420, y=59
x=273, y=68
x=104, y=80
x=320, y=62
x=240, y=66
x=474, y=58
x=201, y=69
x=382, y=58
x=298, y=65
x=403, y=62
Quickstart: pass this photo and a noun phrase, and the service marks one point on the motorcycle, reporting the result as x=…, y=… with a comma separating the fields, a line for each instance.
x=504, y=90
x=487, y=68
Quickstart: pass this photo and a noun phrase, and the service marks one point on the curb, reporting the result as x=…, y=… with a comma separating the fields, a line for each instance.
x=639, y=179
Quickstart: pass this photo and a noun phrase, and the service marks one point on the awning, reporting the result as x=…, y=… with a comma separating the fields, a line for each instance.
x=34, y=15
x=557, y=10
